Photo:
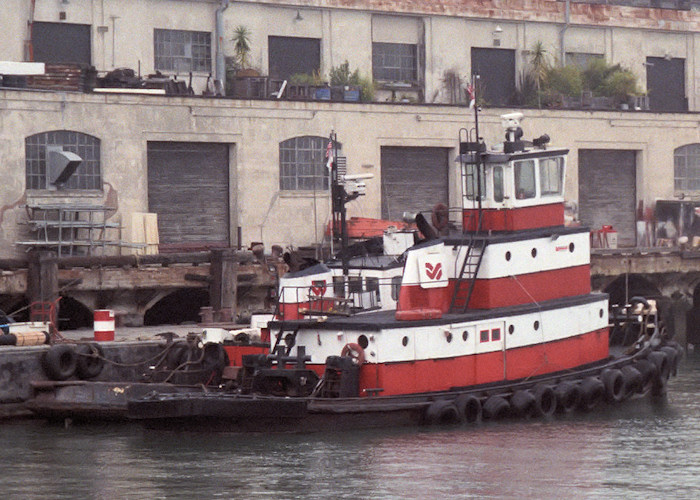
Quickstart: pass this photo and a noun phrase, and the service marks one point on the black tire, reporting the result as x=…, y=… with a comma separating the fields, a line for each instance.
x=568, y=396
x=648, y=371
x=90, y=360
x=496, y=407
x=592, y=393
x=60, y=362
x=178, y=354
x=469, y=408
x=545, y=400
x=523, y=403
x=632, y=380
x=663, y=371
x=213, y=363
x=442, y=412
x=614, y=385
x=673, y=358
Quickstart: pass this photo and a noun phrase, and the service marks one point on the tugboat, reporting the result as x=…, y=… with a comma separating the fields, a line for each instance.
x=494, y=319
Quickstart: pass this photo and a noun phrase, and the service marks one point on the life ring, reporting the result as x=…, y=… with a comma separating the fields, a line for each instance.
x=469, y=408
x=632, y=380
x=592, y=392
x=568, y=396
x=545, y=400
x=59, y=362
x=523, y=403
x=442, y=412
x=90, y=360
x=496, y=407
x=614, y=385
x=440, y=217
x=354, y=351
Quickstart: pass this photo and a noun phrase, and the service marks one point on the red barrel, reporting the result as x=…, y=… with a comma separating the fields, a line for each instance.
x=104, y=324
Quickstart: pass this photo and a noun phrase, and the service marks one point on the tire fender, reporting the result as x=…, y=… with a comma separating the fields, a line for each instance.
x=614, y=385
x=90, y=360
x=496, y=407
x=442, y=412
x=59, y=362
x=469, y=408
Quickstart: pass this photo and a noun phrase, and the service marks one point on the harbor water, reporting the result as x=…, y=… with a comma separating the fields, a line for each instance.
x=637, y=450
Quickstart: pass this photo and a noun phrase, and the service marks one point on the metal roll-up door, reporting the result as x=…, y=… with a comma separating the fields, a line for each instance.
x=188, y=187
x=607, y=191
x=413, y=180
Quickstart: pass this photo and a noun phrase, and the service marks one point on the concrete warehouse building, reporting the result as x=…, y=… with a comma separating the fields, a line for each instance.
x=170, y=115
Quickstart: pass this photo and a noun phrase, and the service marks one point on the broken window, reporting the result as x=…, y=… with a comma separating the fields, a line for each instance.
x=395, y=62
x=182, y=51
x=87, y=147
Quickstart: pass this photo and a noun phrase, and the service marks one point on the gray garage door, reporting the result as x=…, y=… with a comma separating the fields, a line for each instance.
x=188, y=187
x=413, y=180
x=607, y=191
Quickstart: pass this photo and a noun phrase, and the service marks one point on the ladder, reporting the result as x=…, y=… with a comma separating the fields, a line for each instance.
x=466, y=278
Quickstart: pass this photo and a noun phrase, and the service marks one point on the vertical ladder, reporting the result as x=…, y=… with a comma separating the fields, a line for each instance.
x=466, y=279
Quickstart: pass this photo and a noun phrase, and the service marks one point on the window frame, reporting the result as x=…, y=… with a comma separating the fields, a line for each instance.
x=198, y=57
x=395, y=63
x=519, y=179
x=683, y=181
x=307, y=154
x=88, y=175
x=547, y=177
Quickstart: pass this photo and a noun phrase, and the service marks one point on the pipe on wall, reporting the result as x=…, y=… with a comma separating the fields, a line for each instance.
x=220, y=62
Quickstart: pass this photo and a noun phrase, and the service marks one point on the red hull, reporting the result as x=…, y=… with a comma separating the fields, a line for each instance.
x=515, y=219
x=443, y=374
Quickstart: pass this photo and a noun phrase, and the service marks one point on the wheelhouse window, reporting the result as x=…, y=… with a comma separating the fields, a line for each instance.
x=87, y=175
x=498, y=190
x=303, y=164
x=686, y=168
x=182, y=51
x=470, y=181
x=525, y=186
x=551, y=176
x=395, y=62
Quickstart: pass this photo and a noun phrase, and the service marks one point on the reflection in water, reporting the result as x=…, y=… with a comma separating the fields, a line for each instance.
x=636, y=450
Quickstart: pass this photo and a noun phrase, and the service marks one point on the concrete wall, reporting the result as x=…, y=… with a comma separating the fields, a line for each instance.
x=122, y=31
x=125, y=124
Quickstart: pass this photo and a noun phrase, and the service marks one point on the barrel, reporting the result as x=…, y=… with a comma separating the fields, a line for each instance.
x=104, y=325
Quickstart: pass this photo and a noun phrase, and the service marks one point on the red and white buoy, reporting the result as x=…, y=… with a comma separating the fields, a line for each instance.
x=104, y=324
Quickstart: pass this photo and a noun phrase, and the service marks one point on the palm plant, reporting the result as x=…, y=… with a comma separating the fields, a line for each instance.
x=241, y=46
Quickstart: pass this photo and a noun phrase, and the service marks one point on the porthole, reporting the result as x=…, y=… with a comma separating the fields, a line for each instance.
x=600, y=313
x=404, y=341
x=534, y=252
x=448, y=337
x=571, y=247
x=363, y=341
x=508, y=255
x=465, y=335
x=511, y=329
x=536, y=326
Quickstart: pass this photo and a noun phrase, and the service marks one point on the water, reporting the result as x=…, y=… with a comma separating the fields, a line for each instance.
x=637, y=450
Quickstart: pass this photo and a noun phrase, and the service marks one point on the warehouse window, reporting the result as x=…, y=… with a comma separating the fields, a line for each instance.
x=395, y=62
x=87, y=175
x=182, y=51
x=686, y=168
x=303, y=163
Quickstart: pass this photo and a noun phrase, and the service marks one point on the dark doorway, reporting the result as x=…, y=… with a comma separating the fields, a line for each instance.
x=177, y=308
x=496, y=70
x=288, y=56
x=61, y=43
x=666, y=84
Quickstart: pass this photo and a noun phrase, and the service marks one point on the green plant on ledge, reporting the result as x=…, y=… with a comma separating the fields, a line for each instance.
x=342, y=76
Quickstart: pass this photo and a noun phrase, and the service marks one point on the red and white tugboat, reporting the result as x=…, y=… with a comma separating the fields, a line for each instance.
x=496, y=318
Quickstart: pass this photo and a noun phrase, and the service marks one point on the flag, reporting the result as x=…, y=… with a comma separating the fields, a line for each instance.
x=472, y=96
x=329, y=155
